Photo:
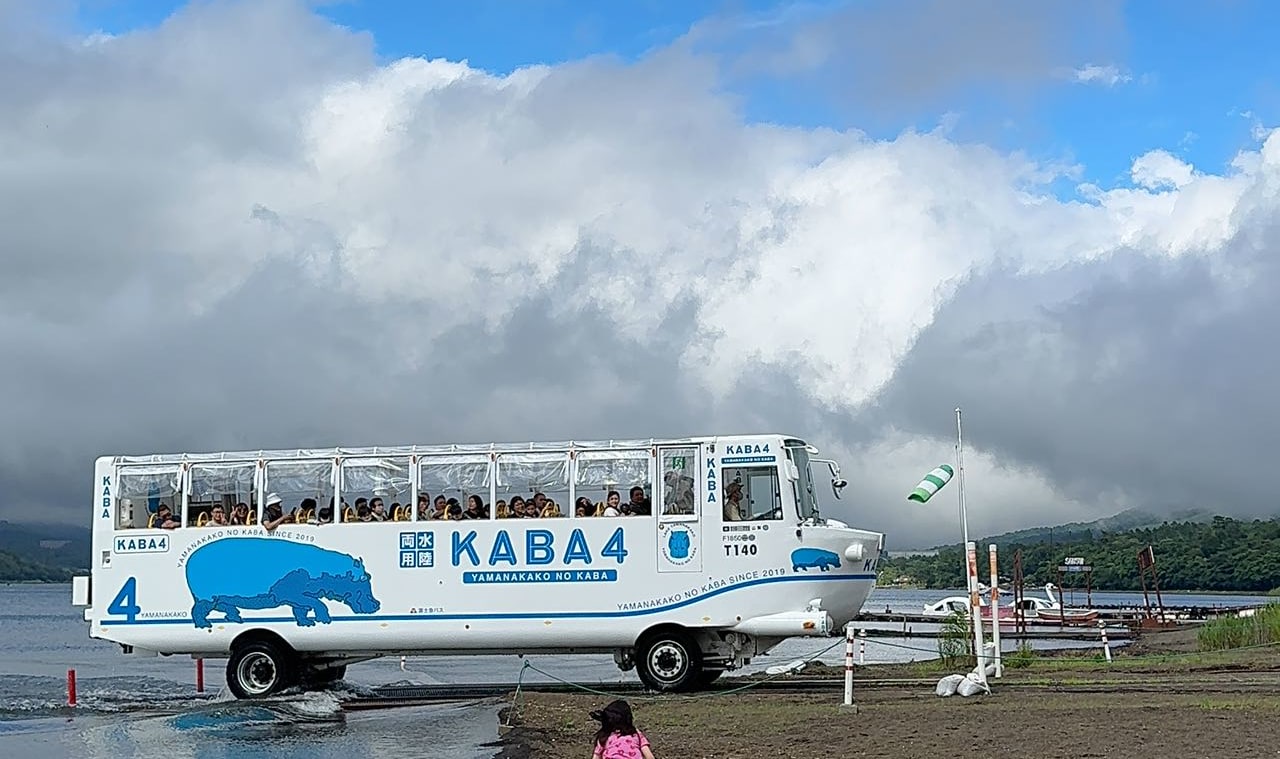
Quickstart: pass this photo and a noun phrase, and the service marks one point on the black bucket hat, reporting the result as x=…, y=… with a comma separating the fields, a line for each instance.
x=620, y=710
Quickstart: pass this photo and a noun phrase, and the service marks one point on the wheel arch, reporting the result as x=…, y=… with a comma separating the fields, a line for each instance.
x=258, y=635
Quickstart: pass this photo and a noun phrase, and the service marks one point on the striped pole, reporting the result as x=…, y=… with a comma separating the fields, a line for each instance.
x=848, y=665
x=995, y=609
x=862, y=647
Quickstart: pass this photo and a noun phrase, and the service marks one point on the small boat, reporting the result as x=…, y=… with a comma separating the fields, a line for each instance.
x=1035, y=610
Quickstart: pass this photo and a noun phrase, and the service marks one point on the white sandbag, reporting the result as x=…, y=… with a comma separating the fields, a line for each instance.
x=947, y=685
x=782, y=669
x=969, y=686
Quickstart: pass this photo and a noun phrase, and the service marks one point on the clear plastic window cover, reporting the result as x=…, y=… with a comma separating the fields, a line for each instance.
x=148, y=481
x=217, y=479
x=439, y=473
x=612, y=468
x=546, y=470
x=404, y=450
x=384, y=477
x=300, y=476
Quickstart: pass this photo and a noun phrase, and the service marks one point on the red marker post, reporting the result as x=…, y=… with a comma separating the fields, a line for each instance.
x=199, y=675
x=71, y=687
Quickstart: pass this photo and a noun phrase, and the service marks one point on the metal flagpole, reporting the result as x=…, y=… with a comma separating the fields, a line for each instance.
x=971, y=563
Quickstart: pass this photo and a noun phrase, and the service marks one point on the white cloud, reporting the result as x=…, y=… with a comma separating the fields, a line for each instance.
x=296, y=244
x=1107, y=76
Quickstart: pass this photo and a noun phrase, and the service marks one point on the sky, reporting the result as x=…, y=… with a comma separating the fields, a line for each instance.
x=245, y=225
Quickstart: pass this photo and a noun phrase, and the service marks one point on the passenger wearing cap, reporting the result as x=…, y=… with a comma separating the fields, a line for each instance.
x=273, y=516
x=618, y=737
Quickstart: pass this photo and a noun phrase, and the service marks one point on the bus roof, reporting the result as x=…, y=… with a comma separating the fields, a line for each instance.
x=442, y=449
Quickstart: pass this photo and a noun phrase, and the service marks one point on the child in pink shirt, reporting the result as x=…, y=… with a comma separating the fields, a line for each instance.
x=618, y=737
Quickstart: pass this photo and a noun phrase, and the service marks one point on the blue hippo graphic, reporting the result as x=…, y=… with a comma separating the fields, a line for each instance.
x=678, y=544
x=804, y=558
x=232, y=574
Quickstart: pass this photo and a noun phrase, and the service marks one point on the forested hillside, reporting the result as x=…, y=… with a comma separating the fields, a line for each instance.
x=14, y=568
x=1222, y=555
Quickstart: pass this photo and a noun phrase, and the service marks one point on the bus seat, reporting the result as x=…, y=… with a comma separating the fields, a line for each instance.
x=203, y=519
x=348, y=514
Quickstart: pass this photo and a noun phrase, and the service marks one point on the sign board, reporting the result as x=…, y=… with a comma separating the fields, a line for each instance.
x=1073, y=560
x=1075, y=568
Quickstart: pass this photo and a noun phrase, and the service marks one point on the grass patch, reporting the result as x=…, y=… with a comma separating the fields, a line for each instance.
x=1237, y=632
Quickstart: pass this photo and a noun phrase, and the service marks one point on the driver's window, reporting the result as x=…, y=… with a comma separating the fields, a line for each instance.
x=751, y=492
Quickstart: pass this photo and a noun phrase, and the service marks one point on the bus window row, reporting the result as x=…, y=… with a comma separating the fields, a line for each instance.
x=303, y=492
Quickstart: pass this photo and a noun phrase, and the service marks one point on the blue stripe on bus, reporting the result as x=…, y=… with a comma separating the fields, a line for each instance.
x=108, y=622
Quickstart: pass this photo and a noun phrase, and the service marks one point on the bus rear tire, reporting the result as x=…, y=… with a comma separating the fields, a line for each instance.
x=259, y=669
x=669, y=661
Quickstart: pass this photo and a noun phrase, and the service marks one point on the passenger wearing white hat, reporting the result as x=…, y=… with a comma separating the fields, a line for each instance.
x=273, y=515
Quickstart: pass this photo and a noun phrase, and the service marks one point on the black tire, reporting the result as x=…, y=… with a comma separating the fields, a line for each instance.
x=260, y=669
x=669, y=661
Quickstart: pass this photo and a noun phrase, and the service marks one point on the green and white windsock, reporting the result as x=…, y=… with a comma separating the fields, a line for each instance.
x=932, y=483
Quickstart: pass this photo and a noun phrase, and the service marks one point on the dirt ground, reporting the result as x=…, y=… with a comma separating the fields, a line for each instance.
x=1142, y=704
x=912, y=723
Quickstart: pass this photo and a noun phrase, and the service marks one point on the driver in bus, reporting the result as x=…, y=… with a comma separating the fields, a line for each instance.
x=733, y=502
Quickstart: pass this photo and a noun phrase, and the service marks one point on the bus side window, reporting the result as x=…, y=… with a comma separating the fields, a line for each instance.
x=142, y=490
x=752, y=492
x=679, y=466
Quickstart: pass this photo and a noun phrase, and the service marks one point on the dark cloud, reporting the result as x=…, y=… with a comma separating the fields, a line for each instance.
x=240, y=231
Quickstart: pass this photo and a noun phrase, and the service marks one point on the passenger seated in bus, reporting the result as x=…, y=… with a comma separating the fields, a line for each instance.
x=539, y=502
x=240, y=514
x=362, y=507
x=517, y=508
x=217, y=518
x=455, y=509
x=583, y=507
x=639, y=504
x=273, y=515
x=733, y=502
x=377, y=512
x=441, y=508
x=611, y=502
x=163, y=518
x=424, y=507
x=475, y=508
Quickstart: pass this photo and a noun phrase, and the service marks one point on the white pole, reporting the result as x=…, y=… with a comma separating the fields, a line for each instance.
x=995, y=609
x=964, y=515
x=848, y=665
x=1106, y=645
x=971, y=559
x=975, y=604
x=862, y=646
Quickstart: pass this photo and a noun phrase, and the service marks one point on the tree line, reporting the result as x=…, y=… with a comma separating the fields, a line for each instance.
x=14, y=568
x=1221, y=555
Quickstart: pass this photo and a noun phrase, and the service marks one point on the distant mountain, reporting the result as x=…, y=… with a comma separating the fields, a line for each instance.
x=51, y=545
x=1129, y=519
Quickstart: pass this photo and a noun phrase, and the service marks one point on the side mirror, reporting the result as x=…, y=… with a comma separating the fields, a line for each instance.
x=837, y=485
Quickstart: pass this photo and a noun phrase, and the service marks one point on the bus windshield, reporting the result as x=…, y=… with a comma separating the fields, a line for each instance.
x=806, y=501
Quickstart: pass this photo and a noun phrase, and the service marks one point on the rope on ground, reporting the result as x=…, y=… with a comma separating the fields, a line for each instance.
x=692, y=697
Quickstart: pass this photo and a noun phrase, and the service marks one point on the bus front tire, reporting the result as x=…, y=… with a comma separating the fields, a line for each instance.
x=259, y=669
x=669, y=661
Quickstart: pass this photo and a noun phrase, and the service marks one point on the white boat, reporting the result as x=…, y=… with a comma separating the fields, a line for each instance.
x=1035, y=610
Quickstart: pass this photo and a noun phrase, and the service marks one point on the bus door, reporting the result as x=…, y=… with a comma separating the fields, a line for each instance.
x=679, y=509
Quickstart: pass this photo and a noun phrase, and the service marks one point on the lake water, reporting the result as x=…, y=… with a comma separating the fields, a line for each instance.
x=131, y=706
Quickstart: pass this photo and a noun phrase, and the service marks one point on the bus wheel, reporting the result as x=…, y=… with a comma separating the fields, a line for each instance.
x=669, y=661
x=258, y=669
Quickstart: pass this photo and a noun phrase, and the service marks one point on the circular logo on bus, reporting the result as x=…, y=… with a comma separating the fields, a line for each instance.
x=679, y=547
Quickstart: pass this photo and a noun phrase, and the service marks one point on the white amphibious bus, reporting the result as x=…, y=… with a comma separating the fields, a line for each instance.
x=683, y=557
